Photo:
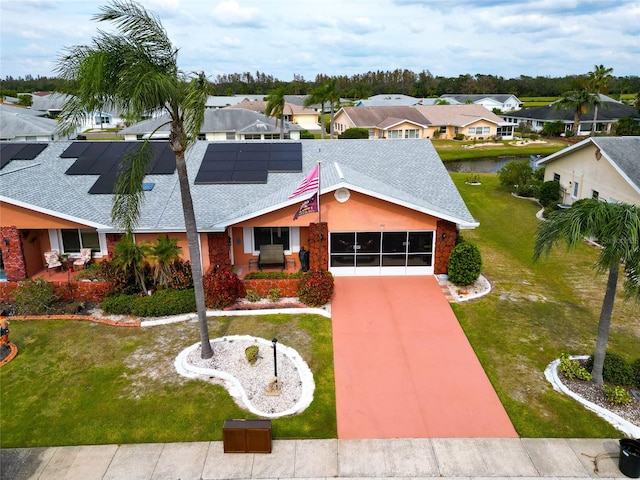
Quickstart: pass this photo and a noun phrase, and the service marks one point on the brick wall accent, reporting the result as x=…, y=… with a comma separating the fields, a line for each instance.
x=75, y=291
x=12, y=256
x=445, y=246
x=318, y=246
x=219, y=249
x=112, y=239
x=287, y=286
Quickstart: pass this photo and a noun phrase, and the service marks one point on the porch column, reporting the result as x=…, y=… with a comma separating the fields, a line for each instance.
x=112, y=239
x=318, y=246
x=445, y=243
x=12, y=256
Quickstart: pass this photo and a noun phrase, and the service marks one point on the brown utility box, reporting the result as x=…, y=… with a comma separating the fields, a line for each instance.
x=246, y=436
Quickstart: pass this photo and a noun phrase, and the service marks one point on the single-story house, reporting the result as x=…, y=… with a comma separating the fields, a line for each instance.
x=394, y=100
x=606, y=168
x=219, y=124
x=19, y=124
x=307, y=118
x=609, y=112
x=504, y=102
x=423, y=121
x=386, y=208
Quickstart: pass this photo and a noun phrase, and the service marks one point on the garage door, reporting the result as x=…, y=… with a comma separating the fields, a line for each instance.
x=381, y=253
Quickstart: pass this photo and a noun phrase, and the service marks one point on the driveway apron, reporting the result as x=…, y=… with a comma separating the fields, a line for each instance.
x=404, y=367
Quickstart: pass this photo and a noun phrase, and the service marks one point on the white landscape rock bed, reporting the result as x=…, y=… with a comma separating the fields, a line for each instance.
x=247, y=383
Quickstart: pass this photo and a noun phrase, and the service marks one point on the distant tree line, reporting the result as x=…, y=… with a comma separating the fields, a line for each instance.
x=364, y=85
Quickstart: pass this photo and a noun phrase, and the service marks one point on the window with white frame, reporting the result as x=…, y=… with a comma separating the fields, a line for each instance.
x=73, y=239
x=395, y=133
x=271, y=236
x=576, y=189
x=479, y=130
x=412, y=133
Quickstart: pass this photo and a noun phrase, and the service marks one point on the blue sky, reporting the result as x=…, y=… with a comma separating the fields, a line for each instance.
x=284, y=38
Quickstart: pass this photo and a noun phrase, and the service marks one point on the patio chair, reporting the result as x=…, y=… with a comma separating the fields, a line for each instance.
x=85, y=258
x=52, y=260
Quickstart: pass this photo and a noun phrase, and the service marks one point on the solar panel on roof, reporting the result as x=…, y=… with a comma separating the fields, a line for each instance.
x=204, y=178
x=250, y=177
x=104, y=184
x=217, y=166
x=30, y=151
x=285, y=165
x=249, y=165
x=75, y=150
x=8, y=151
x=166, y=161
x=81, y=166
x=253, y=147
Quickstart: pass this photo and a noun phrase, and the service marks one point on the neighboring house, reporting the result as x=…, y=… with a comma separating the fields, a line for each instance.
x=503, y=102
x=24, y=125
x=222, y=101
x=606, y=168
x=423, y=121
x=307, y=118
x=219, y=124
x=609, y=112
x=472, y=121
x=52, y=103
x=394, y=100
x=387, y=208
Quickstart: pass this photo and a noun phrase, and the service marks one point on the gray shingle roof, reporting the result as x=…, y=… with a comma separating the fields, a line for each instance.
x=25, y=124
x=408, y=173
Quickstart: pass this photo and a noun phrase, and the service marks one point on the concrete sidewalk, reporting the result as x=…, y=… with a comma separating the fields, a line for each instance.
x=322, y=459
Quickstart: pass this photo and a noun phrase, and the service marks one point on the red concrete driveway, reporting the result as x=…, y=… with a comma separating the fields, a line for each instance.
x=403, y=366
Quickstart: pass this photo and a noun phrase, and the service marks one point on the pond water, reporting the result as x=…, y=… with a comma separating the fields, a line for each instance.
x=486, y=164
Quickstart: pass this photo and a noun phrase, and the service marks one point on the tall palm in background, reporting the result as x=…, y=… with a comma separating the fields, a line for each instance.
x=333, y=97
x=275, y=107
x=579, y=102
x=616, y=227
x=598, y=79
x=318, y=96
x=135, y=71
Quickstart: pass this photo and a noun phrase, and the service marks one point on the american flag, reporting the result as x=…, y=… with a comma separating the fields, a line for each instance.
x=310, y=182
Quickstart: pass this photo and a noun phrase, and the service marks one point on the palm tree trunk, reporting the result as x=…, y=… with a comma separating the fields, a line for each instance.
x=331, y=133
x=605, y=323
x=595, y=119
x=322, y=121
x=576, y=123
x=194, y=253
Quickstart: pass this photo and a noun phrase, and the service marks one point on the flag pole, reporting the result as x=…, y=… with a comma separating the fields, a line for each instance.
x=319, y=216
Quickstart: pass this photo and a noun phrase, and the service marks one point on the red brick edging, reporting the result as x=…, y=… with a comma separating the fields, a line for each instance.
x=12, y=354
x=88, y=318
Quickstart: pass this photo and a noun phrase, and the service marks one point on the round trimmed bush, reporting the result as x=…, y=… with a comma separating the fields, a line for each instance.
x=315, y=288
x=616, y=370
x=465, y=264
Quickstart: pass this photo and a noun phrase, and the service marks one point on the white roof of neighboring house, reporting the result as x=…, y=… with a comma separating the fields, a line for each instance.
x=408, y=173
x=13, y=124
x=394, y=100
x=458, y=115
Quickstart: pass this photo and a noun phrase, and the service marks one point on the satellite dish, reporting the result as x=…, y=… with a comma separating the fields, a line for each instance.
x=342, y=195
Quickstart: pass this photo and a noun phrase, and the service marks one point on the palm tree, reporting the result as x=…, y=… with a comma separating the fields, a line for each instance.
x=130, y=257
x=318, y=95
x=275, y=107
x=165, y=251
x=616, y=226
x=598, y=80
x=579, y=101
x=135, y=70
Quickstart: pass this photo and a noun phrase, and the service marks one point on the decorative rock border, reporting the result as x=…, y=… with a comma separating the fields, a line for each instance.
x=234, y=385
x=551, y=374
x=12, y=354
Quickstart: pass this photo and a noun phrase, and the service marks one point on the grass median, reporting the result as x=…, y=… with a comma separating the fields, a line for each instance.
x=79, y=383
x=535, y=312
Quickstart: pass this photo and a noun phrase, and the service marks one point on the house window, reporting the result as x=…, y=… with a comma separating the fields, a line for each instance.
x=271, y=136
x=411, y=133
x=74, y=239
x=456, y=130
x=202, y=136
x=556, y=177
x=231, y=135
x=576, y=189
x=443, y=129
x=271, y=236
x=479, y=130
x=252, y=136
x=395, y=133
x=595, y=194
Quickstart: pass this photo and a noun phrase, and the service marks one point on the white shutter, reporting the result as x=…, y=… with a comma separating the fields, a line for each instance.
x=247, y=239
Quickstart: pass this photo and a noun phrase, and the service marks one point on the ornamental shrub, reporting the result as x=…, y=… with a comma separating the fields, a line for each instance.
x=616, y=370
x=315, y=288
x=636, y=372
x=165, y=302
x=572, y=368
x=181, y=276
x=465, y=264
x=34, y=297
x=119, y=304
x=617, y=395
x=514, y=173
x=549, y=193
x=273, y=295
x=356, y=133
x=222, y=287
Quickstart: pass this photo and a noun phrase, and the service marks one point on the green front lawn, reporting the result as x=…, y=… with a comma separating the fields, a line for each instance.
x=76, y=383
x=535, y=312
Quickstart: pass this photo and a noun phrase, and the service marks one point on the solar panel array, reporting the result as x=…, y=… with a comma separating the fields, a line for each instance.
x=19, y=151
x=104, y=158
x=247, y=162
